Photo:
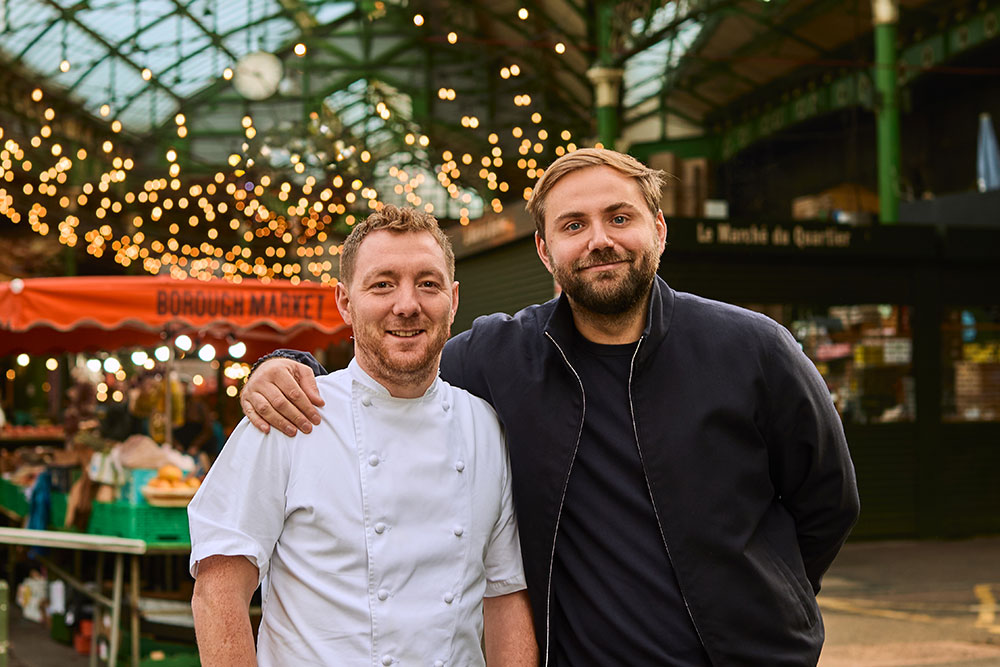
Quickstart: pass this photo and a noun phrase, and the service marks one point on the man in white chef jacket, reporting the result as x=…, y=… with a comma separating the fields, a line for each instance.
x=386, y=536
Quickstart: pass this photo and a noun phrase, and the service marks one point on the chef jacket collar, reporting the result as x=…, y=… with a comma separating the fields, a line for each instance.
x=372, y=385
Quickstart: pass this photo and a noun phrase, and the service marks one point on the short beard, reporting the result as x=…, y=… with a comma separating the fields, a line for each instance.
x=613, y=299
x=407, y=373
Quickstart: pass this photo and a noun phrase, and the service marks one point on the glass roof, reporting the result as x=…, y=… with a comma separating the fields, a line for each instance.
x=143, y=58
x=646, y=73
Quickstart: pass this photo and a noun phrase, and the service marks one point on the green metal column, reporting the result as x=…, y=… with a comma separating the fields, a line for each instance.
x=885, y=15
x=605, y=78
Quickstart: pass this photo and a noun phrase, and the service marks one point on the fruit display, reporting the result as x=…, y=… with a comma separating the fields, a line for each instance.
x=170, y=487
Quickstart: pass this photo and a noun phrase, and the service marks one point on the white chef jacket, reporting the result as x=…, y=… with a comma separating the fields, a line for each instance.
x=377, y=535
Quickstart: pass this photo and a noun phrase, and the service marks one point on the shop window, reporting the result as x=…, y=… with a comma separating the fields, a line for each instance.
x=970, y=388
x=864, y=352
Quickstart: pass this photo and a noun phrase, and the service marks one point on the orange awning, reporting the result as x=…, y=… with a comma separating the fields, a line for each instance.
x=48, y=315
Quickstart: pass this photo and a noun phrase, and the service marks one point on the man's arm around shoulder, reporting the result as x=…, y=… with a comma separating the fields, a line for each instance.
x=508, y=631
x=221, y=607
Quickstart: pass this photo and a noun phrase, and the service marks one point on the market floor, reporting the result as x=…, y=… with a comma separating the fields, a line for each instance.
x=885, y=604
x=903, y=604
x=33, y=646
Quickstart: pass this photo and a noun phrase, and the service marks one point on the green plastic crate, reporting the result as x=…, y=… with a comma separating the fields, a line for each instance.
x=59, y=630
x=179, y=660
x=175, y=654
x=141, y=522
x=57, y=511
x=12, y=497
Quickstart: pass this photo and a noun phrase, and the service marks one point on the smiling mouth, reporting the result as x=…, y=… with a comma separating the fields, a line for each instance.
x=405, y=334
x=606, y=266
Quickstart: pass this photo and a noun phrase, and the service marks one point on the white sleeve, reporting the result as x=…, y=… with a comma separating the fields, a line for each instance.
x=240, y=508
x=504, y=570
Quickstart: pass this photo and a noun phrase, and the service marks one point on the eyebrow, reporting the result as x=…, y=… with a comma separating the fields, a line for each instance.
x=394, y=275
x=611, y=208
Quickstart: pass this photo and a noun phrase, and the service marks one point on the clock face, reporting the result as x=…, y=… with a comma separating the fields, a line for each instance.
x=257, y=75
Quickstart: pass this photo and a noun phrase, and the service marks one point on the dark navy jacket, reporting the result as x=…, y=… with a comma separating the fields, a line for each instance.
x=743, y=451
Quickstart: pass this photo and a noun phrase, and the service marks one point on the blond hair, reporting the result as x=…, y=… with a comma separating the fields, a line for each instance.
x=395, y=219
x=650, y=181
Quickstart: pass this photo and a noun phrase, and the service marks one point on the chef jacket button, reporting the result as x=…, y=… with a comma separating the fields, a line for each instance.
x=459, y=531
x=387, y=660
x=459, y=465
x=366, y=401
x=439, y=663
x=373, y=460
x=379, y=527
x=446, y=406
x=383, y=594
x=449, y=598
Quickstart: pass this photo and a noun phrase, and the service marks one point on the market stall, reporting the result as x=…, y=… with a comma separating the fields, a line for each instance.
x=83, y=484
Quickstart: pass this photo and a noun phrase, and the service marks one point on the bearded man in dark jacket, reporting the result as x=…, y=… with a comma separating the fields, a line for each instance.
x=680, y=474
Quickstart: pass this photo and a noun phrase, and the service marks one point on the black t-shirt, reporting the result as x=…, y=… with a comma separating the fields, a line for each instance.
x=615, y=599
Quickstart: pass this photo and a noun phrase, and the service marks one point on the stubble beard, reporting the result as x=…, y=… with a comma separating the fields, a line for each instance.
x=385, y=365
x=602, y=296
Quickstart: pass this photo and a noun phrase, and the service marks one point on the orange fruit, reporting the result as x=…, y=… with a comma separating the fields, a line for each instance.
x=170, y=472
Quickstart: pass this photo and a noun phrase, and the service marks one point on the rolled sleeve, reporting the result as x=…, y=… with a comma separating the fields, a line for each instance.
x=504, y=570
x=240, y=508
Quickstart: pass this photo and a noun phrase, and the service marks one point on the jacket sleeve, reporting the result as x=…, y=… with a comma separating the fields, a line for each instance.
x=810, y=464
x=462, y=364
x=295, y=355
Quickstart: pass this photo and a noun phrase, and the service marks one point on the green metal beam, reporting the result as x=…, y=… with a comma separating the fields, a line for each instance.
x=300, y=14
x=70, y=15
x=36, y=41
x=704, y=146
x=811, y=11
x=662, y=108
x=887, y=111
x=779, y=28
x=606, y=111
x=857, y=89
x=212, y=35
x=697, y=9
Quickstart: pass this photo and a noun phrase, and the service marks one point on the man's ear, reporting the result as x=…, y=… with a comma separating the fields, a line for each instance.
x=661, y=230
x=454, y=300
x=343, y=303
x=543, y=251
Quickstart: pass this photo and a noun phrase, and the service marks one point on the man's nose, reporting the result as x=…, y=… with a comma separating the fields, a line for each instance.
x=599, y=238
x=406, y=303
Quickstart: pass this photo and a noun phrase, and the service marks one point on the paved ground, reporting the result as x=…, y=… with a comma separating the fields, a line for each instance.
x=903, y=604
x=886, y=604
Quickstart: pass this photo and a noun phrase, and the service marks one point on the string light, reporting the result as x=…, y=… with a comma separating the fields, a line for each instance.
x=238, y=200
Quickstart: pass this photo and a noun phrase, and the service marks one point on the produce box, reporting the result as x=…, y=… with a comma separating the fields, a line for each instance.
x=135, y=479
x=141, y=522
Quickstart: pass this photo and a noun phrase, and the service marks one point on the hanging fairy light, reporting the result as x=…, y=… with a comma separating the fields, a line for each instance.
x=240, y=204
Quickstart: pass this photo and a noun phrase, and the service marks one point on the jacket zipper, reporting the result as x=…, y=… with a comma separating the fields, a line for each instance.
x=562, y=497
x=649, y=489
